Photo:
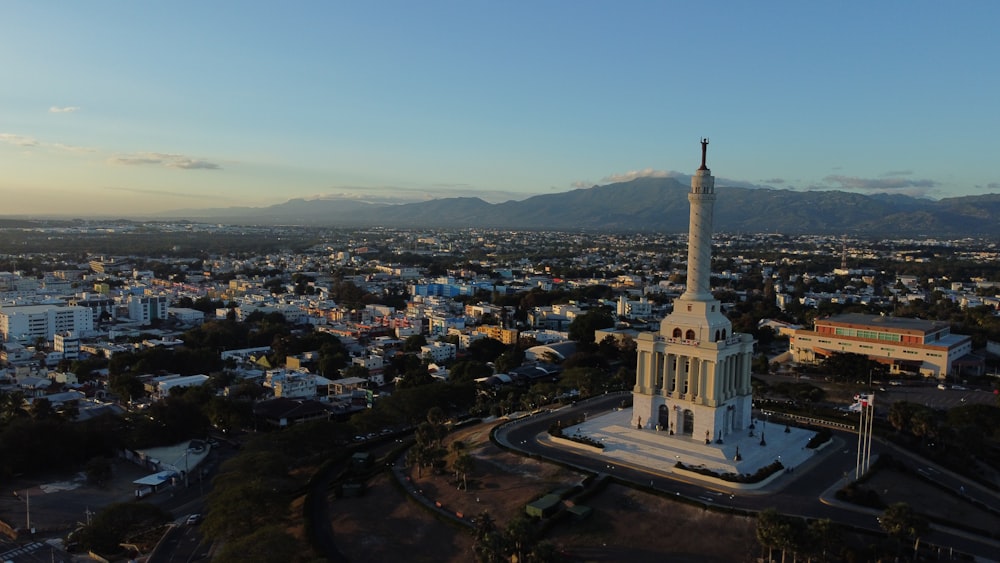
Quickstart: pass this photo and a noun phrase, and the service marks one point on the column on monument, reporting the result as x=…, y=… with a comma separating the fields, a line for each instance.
x=722, y=379
x=684, y=368
x=741, y=385
x=664, y=384
x=730, y=377
x=670, y=381
x=694, y=370
x=710, y=384
x=745, y=370
x=642, y=371
x=656, y=375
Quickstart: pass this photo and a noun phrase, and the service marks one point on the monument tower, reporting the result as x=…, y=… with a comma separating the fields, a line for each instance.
x=693, y=376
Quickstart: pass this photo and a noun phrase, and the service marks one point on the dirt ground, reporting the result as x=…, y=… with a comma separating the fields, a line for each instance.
x=626, y=525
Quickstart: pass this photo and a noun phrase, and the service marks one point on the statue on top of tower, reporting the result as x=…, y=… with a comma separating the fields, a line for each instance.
x=704, y=150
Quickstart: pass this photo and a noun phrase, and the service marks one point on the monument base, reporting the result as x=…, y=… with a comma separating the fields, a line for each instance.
x=658, y=451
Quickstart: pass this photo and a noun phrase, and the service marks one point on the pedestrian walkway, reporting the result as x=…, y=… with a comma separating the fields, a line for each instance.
x=11, y=554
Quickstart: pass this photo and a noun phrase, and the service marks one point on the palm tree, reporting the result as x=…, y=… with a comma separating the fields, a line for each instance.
x=901, y=522
x=11, y=406
x=463, y=465
x=775, y=530
x=823, y=535
x=488, y=544
x=520, y=535
x=770, y=525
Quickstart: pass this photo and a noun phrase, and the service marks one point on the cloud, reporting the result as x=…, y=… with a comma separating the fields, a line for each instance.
x=18, y=140
x=645, y=173
x=163, y=159
x=992, y=186
x=897, y=173
x=399, y=194
x=64, y=109
x=625, y=177
x=905, y=186
x=25, y=141
x=192, y=164
x=774, y=181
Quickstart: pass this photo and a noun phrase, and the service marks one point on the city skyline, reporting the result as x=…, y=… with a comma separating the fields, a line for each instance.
x=118, y=108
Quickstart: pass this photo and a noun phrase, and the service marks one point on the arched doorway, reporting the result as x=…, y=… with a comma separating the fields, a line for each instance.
x=663, y=417
x=688, y=422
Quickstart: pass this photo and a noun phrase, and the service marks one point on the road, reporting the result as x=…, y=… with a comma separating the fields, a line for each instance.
x=797, y=494
x=182, y=543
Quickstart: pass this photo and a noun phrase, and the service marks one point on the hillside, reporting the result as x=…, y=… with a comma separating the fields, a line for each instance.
x=649, y=204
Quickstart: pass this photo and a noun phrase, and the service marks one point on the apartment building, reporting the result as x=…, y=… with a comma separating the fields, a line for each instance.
x=26, y=323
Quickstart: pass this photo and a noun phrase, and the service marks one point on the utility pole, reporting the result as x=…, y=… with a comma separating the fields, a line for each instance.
x=27, y=508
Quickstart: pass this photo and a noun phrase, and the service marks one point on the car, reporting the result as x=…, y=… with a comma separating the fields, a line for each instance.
x=942, y=386
x=193, y=520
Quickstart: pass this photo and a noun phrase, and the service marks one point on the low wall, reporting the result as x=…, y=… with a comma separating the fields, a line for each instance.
x=575, y=444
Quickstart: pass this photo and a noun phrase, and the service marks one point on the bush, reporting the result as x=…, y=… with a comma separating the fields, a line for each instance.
x=756, y=477
x=822, y=436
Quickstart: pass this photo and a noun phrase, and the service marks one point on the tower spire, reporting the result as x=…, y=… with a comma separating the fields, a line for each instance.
x=702, y=200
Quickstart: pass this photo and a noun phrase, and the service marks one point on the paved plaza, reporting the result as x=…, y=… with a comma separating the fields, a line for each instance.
x=657, y=451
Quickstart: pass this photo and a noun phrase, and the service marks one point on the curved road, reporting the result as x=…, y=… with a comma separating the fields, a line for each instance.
x=800, y=493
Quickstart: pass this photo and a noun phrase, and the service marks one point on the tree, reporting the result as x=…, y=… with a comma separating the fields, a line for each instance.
x=520, y=536
x=463, y=465
x=582, y=328
x=270, y=544
x=488, y=543
x=485, y=349
x=901, y=522
x=98, y=471
x=413, y=343
x=900, y=414
x=777, y=531
x=116, y=523
x=823, y=536
x=12, y=406
x=509, y=360
x=585, y=380
x=41, y=409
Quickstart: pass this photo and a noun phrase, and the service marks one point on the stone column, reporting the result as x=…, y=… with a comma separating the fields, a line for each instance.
x=707, y=385
x=642, y=371
x=670, y=381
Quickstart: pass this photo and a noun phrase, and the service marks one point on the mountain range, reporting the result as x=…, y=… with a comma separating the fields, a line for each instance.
x=646, y=204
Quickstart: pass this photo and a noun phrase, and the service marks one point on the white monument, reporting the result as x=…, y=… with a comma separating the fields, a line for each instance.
x=693, y=376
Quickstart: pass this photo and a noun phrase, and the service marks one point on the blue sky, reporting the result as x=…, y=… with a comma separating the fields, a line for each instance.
x=139, y=107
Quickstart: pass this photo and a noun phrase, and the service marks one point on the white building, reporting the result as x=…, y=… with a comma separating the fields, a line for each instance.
x=68, y=344
x=147, y=308
x=29, y=322
x=295, y=385
x=163, y=387
x=438, y=351
x=371, y=362
x=632, y=309
x=187, y=315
